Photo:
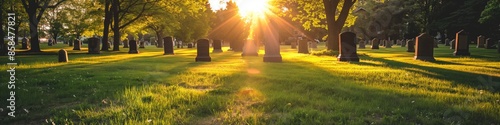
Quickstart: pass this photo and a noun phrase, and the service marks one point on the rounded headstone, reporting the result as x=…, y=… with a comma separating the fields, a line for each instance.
x=347, y=47
x=203, y=51
x=63, y=55
x=424, y=47
x=25, y=43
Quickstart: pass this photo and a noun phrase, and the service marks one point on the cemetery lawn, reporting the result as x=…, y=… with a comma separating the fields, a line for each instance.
x=387, y=87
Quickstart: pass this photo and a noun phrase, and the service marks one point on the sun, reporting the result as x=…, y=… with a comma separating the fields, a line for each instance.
x=249, y=8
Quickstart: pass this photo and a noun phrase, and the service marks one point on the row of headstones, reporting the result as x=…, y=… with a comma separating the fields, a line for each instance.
x=423, y=48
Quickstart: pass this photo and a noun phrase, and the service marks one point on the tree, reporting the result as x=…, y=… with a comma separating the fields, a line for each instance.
x=336, y=13
x=35, y=9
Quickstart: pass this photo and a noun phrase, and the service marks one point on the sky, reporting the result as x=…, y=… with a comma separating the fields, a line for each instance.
x=217, y=4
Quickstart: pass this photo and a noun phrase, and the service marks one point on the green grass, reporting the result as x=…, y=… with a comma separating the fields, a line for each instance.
x=386, y=87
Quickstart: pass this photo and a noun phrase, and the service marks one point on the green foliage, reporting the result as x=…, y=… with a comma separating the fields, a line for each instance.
x=491, y=12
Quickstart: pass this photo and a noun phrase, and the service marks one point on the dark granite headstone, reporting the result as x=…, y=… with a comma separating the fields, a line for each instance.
x=168, y=45
x=25, y=43
x=303, y=48
x=190, y=45
x=424, y=47
x=94, y=46
x=403, y=43
x=461, y=45
x=63, y=55
x=375, y=43
x=217, y=45
x=132, y=47
x=77, y=44
x=125, y=43
x=203, y=51
x=480, y=42
x=411, y=46
x=347, y=47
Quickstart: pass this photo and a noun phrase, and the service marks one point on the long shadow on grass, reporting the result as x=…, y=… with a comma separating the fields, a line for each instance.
x=64, y=95
x=456, y=77
x=302, y=93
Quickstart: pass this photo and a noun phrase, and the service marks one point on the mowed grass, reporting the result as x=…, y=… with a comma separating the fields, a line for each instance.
x=386, y=87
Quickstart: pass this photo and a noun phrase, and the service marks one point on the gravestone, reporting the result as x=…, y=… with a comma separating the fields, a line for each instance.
x=250, y=49
x=203, y=51
x=452, y=44
x=77, y=44
x=94, y=46
x=142, y=44
x=436, y=42
x=50, y=42
x=190, y=45
x=168, y=45
x=480, y=42
x=25, y=43
x=347, y=47
x=424, y=47
x=314, y=44
x=489, y=44
x=63, y=55
x=446, y=42
x=411, y=46
x=125, y=43
x=403, y=43
x=303, y=48
x=362, y=44
x=217, y=45
x=375, y=43
x=133, y=47
x=461, y=45
x=388, y=44
x=398, y=42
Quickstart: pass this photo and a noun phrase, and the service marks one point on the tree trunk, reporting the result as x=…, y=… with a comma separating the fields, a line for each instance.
x=116, y=25
x=107, y=21
x=333, y=32
x=159, y=37
x=33, y=21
